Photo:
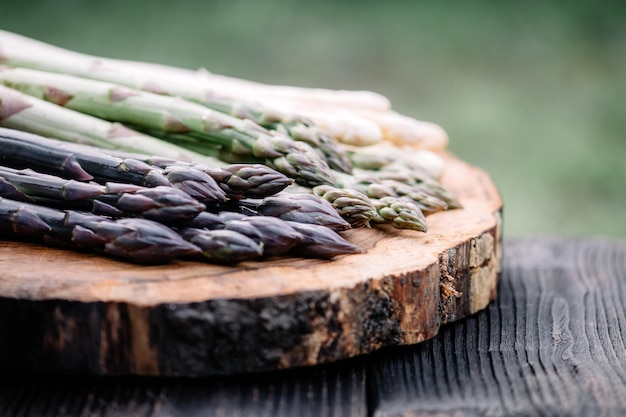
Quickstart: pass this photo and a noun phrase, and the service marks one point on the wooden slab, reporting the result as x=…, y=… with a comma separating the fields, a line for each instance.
x=78, y=313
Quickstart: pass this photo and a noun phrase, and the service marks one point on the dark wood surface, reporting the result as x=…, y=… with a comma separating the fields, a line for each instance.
x=75, y=312
x=552, y=344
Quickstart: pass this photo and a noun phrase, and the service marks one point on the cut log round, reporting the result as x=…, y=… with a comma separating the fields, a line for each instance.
x=76, y=313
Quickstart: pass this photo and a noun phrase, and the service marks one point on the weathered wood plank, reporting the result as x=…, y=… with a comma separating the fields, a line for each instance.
x=321, y=391
x=551, y=344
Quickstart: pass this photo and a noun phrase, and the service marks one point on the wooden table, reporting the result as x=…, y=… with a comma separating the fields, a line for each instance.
x=553, y=343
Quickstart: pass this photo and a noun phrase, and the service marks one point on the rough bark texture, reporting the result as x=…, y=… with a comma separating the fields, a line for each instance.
x=78, y=313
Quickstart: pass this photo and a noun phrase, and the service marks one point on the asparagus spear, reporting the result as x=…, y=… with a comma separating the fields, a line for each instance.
x=321, y=242
x=427, y=203
x=390, y=158
x=172, y=115
x=266, y=107
x=344, y=125
x=352, y=205
x=236, y=180
x=23, y=150
x=329, y=148
x=370, y=160
x=162, y=204
x=280, y=237
x=345, y=119
x=134, y=239
x=206, y=220
x=247, y=180
x=20, y=51
x=421, y=183
x=399, y=213
x=222, y=246
x=406, y=131
x=298, y=207
x=427, y=199
x=320, y=96
x=276, y=236
x=22, y=112
x=195, y=183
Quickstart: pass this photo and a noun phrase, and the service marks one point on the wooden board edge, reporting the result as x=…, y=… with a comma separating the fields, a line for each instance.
x=230, y=336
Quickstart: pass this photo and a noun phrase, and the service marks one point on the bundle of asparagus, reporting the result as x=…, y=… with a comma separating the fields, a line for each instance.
x=234, y=146
x=358, y=118
x=126, y=189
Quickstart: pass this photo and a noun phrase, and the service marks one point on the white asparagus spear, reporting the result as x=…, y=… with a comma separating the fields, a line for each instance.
x=402, y=130
x=359, y=127
x=358, y=99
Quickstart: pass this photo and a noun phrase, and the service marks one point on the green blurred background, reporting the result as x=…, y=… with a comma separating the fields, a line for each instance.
x=533, y=92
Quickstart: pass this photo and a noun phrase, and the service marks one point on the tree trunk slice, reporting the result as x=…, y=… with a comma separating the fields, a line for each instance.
x=77, y=313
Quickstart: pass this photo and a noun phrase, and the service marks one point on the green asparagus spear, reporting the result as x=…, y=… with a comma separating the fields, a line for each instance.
x=297, y=160
x=401, y=214
x=352, y=205
x=23, y=112
x=423, y=183
x=23, y=52
x=427, y=203
x=427, y=198
x=330, y=149
x=134, y=239
x=170, y=115
x=162, y=204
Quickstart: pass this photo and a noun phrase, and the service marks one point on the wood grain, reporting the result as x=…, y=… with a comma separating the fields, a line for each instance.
x=83, y=313
x=320, y=391
x=551, y=344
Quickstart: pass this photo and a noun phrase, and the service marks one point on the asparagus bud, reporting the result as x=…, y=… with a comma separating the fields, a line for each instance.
x=248, y=180
x=299, y=207
x=352, y=205
x=332, y=152
x=276, y=236
x=222, y=246
x=321, y=242
x=196, y=183
x=399, y=213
